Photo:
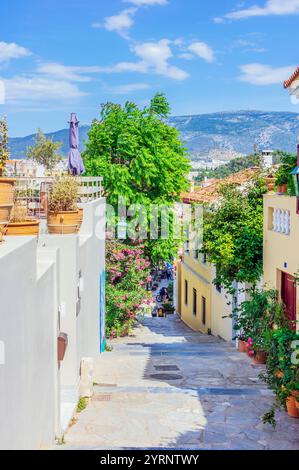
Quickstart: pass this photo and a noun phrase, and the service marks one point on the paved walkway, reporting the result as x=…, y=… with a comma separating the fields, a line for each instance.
x=167, y=387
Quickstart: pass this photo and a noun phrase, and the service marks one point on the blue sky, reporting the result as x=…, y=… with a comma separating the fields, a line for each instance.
x=71, y=55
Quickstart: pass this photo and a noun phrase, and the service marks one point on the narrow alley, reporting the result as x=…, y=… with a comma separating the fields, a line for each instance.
x=168, y=387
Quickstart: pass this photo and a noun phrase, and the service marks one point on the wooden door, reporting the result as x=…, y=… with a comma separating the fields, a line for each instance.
x=288, y=296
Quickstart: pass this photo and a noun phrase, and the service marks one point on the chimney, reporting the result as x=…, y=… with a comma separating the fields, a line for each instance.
x=267, y=158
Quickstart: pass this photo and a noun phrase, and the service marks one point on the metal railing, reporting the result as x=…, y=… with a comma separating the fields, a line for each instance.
x=33, y=192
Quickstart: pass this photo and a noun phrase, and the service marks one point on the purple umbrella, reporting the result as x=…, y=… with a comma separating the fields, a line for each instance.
x=75, y=163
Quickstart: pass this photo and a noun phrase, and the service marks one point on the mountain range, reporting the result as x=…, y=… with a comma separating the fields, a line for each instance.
x=215, y=136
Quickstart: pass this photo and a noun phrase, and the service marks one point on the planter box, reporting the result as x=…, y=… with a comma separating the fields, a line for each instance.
x=62, y=223
x=28, y=227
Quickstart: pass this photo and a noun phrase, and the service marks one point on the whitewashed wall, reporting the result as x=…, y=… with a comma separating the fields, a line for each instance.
x=38, y=296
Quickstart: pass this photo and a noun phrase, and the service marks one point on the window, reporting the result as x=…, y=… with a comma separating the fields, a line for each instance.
x=194, y=302
x=204, y=258
x=218, y=287
x=186, y=292
x=204, y=310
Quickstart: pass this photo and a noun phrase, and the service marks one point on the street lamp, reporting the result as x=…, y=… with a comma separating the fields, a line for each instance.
x=295, y=175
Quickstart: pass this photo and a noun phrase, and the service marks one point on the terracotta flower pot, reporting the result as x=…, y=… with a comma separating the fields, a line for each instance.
x=28, y=227
x=292, y=407
x=242, y=346
x=282, y=189
x=295, y=394
x=63, y=223
x=80, y=215
x=6, y=199
x=270, y=182
x=260, y=357
x=279, y=374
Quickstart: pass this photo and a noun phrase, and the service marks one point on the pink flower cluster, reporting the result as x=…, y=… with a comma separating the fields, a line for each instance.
x=249, y=346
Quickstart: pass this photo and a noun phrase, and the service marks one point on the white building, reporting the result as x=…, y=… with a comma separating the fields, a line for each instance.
x=49, y=286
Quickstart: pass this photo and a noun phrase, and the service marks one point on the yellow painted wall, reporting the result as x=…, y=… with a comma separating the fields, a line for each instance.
x=198, y=276
x=281, y=252
x=221, y=306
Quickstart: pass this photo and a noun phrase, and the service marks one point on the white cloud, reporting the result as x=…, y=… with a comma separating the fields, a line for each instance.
x=69, y=73
x=259, y=74
x=12, y=50
x=126, y=89
x=202, y=50
x=186, y=56
x=248, y=46
x=141, y=3
x=218, y=20
x=154, y=58
x=36, y=88
x=271, y=7
x=120, y=23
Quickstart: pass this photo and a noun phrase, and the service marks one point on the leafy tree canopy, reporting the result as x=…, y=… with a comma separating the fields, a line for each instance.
x=233, y=234
x=140, y=157
x=44, y=151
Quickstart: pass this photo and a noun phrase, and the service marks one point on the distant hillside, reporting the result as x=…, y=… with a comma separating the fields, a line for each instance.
x=216, y=136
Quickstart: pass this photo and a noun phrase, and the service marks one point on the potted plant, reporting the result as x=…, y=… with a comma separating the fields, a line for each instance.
x=242, y=346
x=6, y=184
x=255, y=319
x=284, y=181
x=63, y=215
x=270, y=179
x=21, y=224
x=168, y=308
x=282, y=375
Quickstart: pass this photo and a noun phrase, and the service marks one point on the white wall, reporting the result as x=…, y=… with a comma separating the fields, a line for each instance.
x=38, y=295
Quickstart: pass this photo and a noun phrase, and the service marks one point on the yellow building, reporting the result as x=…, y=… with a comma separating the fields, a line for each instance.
x=281, y=255
x=200, y=304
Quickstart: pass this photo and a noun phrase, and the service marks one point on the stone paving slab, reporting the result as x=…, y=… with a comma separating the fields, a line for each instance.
x=216, y=404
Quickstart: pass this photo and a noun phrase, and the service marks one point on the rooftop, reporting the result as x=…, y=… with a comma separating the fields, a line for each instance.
x=294, y=77
x=210, y=193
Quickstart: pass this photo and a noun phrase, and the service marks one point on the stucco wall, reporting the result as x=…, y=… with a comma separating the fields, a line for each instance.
x=198, y=276
x=27, y=382
x=39, y=292
x=280, y=251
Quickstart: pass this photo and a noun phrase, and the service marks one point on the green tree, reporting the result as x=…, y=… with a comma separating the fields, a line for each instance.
x=141, y=158
x=233, y=234
x=44, y=151
x=235, y=165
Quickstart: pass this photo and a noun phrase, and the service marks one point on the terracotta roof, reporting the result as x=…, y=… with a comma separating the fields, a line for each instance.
x=289, y=82
x=210, y=193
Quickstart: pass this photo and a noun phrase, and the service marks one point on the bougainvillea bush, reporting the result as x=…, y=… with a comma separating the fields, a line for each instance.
x=128, y=272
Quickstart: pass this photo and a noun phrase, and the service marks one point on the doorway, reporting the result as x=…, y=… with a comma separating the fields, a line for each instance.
x=288, y=296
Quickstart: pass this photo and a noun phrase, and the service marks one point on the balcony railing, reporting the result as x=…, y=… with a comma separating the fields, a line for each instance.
x=281, y=222
x=34, y=192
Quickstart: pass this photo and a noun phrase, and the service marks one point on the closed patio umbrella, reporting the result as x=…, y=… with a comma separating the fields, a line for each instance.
x=75, y=163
